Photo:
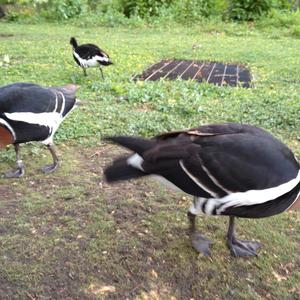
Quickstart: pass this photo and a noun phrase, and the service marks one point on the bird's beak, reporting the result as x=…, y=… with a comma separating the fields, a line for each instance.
x=71, y=87
x=80, y=102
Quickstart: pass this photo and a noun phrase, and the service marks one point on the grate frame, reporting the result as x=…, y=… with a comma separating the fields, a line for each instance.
x=221, y=74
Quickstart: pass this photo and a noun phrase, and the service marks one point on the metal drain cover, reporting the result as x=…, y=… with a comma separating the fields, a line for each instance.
x=221, y=74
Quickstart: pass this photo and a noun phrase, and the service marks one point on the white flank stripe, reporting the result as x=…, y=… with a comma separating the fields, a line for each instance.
x=254, y=197
x=197, y=181
x=195, y=208
x=209, y=207
x=9, y=127
x=92, y=62
x=102, y=58
x=136, y=161
x=50, y=119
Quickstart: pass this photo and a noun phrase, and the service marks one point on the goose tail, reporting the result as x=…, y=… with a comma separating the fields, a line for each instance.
x=128, y=167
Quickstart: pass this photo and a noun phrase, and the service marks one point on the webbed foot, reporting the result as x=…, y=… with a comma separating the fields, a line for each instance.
x=200, y=243
x=239, y=248
x=49, y=168
x=16, y=173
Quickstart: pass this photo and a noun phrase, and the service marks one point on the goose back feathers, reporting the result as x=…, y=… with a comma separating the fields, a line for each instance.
x=30, y=112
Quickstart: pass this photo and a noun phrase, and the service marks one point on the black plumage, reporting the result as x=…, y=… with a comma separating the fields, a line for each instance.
x=30, y=112
x=89, y=55
x=230, y=169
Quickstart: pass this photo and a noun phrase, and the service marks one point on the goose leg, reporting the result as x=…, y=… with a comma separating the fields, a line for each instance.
x=20, y=166
x=199, y=242
x=84, y=72
x=239, y=247
x=101, y=73
x=51, y=168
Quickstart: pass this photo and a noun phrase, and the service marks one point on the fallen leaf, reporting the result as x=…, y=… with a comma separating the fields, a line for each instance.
x=101, y=290
x=154, y=274
x=278, y=277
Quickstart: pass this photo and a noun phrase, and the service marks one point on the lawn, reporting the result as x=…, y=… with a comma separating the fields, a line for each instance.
x=70, y=235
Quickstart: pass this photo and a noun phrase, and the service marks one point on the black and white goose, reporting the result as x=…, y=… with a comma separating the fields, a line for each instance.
x=29, y=112
x=230, y=169
x=89, y=55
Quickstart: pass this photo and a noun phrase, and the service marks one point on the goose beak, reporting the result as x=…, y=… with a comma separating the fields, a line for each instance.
x=71, y=87
x=80, y=102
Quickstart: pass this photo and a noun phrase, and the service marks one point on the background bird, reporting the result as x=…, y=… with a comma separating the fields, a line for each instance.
x=29, y=112
x=230, y=169
x=89, y=55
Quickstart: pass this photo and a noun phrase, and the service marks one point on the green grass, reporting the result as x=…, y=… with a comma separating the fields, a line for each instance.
x=68, y=235
x=42, y=54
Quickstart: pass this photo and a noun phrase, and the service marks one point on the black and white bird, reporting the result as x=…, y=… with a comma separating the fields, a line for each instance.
x=89, y=55
x=30, y=112
x=230, y=169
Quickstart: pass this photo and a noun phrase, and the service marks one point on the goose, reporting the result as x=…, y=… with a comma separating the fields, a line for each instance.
x=89, y=55
x=30, y=112
x=230, y=169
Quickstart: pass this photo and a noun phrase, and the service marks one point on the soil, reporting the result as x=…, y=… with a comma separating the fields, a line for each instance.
x=70, y=235
x=85, y=173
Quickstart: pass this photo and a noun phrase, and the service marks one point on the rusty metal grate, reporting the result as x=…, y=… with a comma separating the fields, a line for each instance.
x=212, y=72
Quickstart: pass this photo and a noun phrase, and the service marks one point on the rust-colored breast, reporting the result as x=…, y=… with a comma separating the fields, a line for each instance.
x=296, y=204
x=6, y=137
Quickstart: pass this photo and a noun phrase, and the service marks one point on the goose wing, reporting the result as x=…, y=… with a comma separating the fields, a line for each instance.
x=23, y=97
x=31, y=112
x=32, y=98
x=88, y=51
x=223, y=158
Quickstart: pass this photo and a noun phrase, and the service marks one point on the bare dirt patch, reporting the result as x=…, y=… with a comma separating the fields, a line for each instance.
x=59, y=217
x=70, y=235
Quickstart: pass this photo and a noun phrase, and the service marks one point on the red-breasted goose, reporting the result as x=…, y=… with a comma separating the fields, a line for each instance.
x=30, y=112
x=230, y=169
x=89, y=55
